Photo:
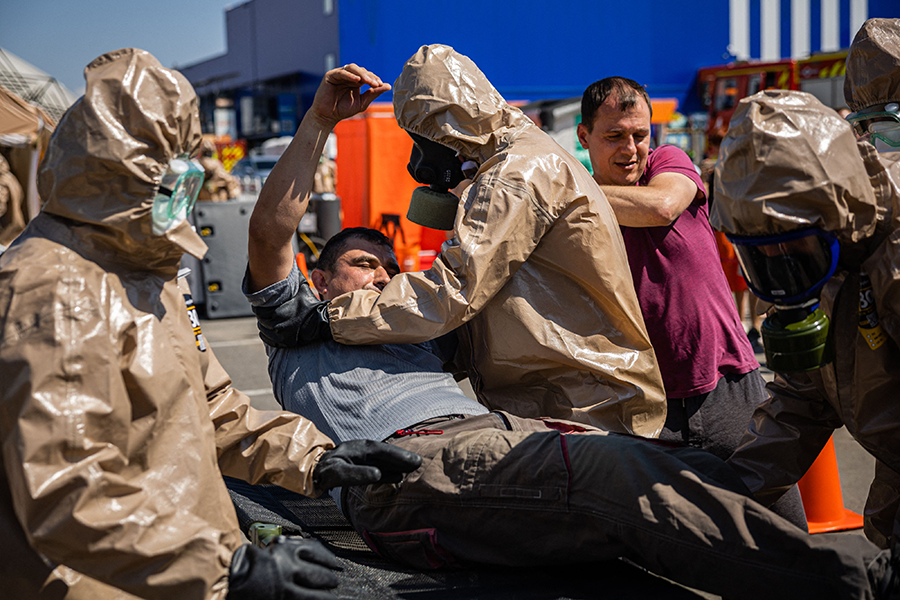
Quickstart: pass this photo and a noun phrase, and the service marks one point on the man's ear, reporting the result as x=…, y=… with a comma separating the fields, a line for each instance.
x=320, y=280
x=583, y=133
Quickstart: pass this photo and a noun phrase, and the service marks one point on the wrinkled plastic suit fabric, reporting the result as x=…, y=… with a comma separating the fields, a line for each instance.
x=116, y=421
x=791, y=163
x=873, y=65
x=821, y=176
x=536, y=277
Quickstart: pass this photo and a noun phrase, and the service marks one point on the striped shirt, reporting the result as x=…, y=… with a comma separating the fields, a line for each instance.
x=360, y=392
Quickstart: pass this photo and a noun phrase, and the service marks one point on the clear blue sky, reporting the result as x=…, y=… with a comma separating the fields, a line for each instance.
x=62, y=36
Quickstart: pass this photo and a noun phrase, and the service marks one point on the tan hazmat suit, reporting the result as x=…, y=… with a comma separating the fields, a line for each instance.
x=219, y=184
x=116, y=420
x=325, y=177
x=536, y=277
x=12, y=221
x=873, y=65
x=787, y=163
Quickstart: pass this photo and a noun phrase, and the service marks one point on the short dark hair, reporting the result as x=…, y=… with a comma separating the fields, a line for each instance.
x=598, y=92
x=334, y=246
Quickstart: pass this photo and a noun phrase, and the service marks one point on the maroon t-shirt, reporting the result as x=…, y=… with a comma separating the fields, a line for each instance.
x=687, y=305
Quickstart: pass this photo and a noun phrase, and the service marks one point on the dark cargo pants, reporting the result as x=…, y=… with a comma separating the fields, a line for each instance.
x=716, y=422
x=497, y=489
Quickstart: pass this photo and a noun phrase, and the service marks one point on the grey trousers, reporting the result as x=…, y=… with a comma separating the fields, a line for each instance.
x=716, y=421
x=497, y=489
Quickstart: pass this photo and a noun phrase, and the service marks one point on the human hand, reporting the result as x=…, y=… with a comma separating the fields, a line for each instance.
x=339, y=96
x=361, y=462
x=300, y=321
x=288, y=568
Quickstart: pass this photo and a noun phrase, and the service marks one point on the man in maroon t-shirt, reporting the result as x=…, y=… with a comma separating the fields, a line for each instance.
x=708, y=367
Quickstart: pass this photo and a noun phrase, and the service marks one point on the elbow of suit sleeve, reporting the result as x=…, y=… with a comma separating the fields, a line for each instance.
x=412, y=308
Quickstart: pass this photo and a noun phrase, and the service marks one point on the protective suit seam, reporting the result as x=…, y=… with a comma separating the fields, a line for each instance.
x=527, y=191
x=47, y=314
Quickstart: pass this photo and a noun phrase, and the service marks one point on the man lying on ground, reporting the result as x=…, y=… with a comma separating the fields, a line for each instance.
x=498, y=489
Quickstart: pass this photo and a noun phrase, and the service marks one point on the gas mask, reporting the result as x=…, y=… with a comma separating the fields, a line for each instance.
x=879, y=125
x=790, y=270
x=177, y=193
x=439, y=169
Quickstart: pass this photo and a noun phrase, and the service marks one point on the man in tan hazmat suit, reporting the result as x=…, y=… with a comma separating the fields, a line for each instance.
x=814, y=217
x=872, y=84
x=12, y=222
x=219, y=184
x=535, y=282
x=116, y=421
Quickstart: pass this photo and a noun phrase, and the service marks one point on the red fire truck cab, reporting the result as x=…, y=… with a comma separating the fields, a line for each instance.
x=721, y=87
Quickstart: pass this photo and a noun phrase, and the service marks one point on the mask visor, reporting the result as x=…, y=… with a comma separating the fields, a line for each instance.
x=184, y=190
x=434, y=164
x=788, y=268
x=877, y=125
x=177, y=193
x=439, y=168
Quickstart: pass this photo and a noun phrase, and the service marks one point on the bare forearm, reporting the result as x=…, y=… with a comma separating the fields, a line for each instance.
x=656, y=204
x=638, y=207
x=282, y=203
x=284, y=198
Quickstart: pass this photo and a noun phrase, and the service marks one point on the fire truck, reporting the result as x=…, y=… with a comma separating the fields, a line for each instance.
x=721, y=87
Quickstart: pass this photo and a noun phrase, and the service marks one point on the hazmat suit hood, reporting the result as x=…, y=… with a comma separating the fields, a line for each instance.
x=873, y=65
x=787, y=163
x=107, y=157
x=444, y=97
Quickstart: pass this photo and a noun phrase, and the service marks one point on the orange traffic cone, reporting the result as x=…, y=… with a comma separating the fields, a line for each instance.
x=820, y=490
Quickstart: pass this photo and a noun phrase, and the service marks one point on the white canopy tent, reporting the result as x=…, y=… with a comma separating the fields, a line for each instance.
x=34, y=85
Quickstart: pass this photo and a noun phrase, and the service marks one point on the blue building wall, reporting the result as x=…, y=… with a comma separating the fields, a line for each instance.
x=539, y=50
x=530, y=50
x=884, y=8
x=826, y=25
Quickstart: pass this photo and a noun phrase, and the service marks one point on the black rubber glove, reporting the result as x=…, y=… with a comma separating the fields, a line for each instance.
x=286, y=569
x=300, y=321
x=361, y=462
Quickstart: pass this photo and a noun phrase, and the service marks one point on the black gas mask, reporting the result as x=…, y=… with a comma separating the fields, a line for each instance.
x=790, y=270
x=439, y=169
